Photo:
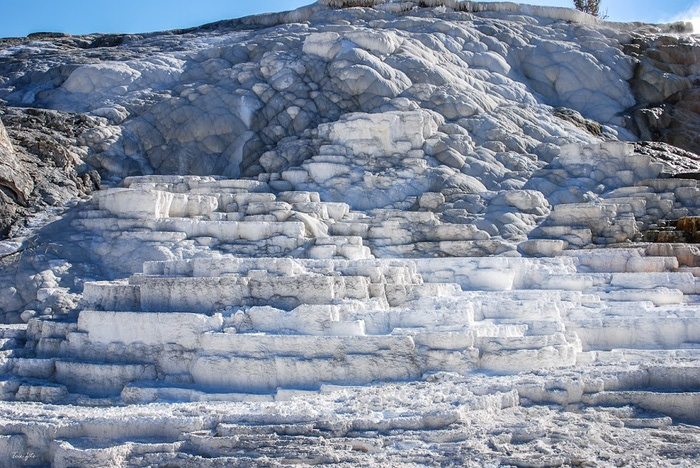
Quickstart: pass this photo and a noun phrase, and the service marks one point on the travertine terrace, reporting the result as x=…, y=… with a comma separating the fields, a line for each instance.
x=358, y=233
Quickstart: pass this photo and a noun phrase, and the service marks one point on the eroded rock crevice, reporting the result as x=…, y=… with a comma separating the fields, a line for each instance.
x=666, y=88
x=42, y=163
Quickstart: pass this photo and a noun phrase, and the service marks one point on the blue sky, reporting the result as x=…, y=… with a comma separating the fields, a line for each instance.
x=21, y=17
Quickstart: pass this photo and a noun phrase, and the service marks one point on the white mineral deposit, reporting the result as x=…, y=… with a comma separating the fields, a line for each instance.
x=361, y=233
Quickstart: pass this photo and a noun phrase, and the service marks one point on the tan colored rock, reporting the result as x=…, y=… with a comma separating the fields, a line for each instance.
x=12, y=176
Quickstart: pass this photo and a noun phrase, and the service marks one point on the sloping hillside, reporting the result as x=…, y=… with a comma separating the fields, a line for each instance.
x=361, y=233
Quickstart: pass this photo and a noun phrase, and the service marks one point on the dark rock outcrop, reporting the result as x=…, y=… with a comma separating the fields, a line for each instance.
x=41, y=164
x=678, y=162
x=14, y=180
x=15, y=183
x=667, y=89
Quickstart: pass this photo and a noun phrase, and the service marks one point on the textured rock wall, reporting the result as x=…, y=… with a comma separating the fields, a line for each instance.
x=667, y=90
x=42, y=163
x=213, y=101
x=436, y=193
x=234, y=98
x=437, y=123
x=274, y=94
x=15, y=183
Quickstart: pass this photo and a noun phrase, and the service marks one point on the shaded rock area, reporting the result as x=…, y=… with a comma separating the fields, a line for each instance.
x=667, y=89
x=678, y=163
x=683, y=230
x=241, y=98
x=15, y=183
x=42, y=163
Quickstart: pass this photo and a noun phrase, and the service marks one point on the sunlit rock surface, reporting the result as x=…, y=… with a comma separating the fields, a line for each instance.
x=360, y=233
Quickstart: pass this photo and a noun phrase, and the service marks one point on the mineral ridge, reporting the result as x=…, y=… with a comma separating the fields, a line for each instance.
x=358, y=233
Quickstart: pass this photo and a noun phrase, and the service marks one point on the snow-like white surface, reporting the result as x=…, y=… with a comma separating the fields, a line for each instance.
x=588, y=328
x=446, y=420
x=418, y=269
x=212, y=103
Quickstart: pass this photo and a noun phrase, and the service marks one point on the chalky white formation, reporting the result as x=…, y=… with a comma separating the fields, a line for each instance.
x=361, y=232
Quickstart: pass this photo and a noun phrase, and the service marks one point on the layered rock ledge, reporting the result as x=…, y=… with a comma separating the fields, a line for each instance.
x=361, y=232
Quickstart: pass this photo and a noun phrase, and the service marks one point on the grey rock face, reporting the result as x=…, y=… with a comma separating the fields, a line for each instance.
x=389, y=110
x=15, y=183
x=667, y=90
x=42, y=162
x=215, y=100
x=13, y=178
x=359, y=233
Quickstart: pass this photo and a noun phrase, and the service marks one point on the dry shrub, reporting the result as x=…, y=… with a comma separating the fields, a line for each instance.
x=351, y=3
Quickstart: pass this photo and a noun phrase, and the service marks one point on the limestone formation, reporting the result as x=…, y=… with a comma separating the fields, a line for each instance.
x=359, y=233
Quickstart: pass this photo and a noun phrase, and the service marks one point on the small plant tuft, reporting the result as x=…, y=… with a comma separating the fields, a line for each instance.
x=351, y=3
x=592, y=7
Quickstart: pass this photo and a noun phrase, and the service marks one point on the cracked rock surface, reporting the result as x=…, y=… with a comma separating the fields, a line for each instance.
x=358, y=233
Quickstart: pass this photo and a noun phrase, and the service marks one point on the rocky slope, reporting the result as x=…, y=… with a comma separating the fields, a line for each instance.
x=408, y=107
x=324, y=226
x=42, y=163
x=222, y=100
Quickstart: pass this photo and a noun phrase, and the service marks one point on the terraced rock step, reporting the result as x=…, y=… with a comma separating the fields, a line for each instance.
x=357, y=233
x=390, y=325
x=220, y=326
